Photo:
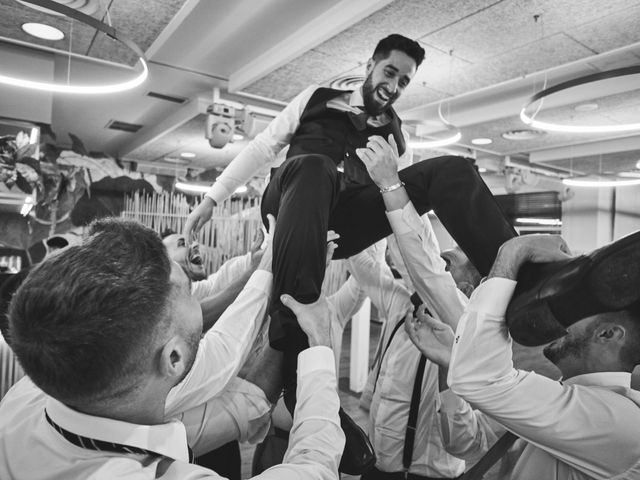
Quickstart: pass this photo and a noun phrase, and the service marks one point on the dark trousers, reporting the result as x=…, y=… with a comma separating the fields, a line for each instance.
x=308, y=196
x=224, y=460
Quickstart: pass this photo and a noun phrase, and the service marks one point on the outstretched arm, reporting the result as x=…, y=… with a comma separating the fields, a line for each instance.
x=260, y=152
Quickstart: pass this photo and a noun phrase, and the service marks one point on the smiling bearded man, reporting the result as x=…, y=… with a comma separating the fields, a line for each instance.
x=324, y=185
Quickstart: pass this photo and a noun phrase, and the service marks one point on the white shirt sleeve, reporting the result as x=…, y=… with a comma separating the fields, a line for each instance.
x=262, y=150
x=347, y=300
x=316, y=440
x=241, y=412
x=228, y=272
x=389, y=296
x=224, y=348
x=592, y=429
x=421, y=254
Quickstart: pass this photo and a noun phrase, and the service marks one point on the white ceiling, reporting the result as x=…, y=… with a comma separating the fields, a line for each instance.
x=484, y=58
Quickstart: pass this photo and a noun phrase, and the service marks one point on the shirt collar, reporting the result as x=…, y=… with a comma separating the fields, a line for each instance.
x=356, y=100
x=168, y=439
x=601, y=379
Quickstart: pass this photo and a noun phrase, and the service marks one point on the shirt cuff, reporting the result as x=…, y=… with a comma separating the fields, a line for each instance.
x=493, y=296
x=316, y=358
x=405, y=220
x=217, y=193
x=260, y=280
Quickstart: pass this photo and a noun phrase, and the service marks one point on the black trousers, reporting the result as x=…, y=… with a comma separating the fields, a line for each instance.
x=308, y=196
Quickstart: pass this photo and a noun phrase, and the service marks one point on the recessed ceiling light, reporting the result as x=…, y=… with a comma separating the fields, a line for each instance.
x=524, y=134
x=482, y=170
x=237, y=137
x=638, y=164
x=43, y=31
x=586, y=107
x=188, y=155
x=481, y=141
x=241, y=189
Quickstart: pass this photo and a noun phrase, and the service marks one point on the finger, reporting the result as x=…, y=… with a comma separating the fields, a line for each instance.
x=364, y=155
x=377, y=144
x=393, y=144
x=331, y=236
x=290, y=302
x=331, y=247
x=272, y=224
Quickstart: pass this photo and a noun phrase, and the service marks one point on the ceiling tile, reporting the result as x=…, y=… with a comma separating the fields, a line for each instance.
x=411, y=18
x=610, y=31
x=287, y=81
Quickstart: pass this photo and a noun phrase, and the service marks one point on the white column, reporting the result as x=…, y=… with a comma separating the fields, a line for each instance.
x=359, y=367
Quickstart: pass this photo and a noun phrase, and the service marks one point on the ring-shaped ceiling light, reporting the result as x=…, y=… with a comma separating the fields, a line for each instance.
x=600, y=182
x=556, y=127
x=83, y=89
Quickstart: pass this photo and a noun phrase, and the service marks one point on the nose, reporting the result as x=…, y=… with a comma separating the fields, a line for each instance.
x=393, y=85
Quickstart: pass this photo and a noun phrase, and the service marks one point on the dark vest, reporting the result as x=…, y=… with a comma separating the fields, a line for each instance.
x=332, y=132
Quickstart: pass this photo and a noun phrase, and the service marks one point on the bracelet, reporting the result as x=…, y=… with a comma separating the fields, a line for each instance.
x=391, y=188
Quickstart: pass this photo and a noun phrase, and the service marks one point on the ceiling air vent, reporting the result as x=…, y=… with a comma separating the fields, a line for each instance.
x=123, y=126
x=167, y=98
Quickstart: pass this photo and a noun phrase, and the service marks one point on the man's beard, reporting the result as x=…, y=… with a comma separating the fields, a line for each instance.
x=371, y=105
x=574, y=347
x=194, y=342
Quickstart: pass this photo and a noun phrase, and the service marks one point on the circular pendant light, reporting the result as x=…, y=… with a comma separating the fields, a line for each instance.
x=83, y=89
x=557, y=127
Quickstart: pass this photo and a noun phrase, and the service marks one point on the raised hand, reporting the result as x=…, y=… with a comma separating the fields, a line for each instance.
x=314, y=319
x=198, y=217
x=538, y=248
x=432, y=337
x=381, y=159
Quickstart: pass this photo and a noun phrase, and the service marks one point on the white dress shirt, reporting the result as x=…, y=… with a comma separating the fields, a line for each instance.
x=224, y=347
x=263, y=149
x=30, y=448
x=585, y=427
x=445, y=422
x=228, y=272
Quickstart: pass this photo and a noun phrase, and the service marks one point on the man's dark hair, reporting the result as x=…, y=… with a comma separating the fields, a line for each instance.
x=83, y=322
x=401, y=43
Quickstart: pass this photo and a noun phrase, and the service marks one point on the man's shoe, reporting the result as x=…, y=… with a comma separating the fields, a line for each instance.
x=550, y=297
x=358, y=455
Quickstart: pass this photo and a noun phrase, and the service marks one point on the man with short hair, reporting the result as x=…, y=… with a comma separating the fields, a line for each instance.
x=323, y=185
x=582, y=427
x=109, y=334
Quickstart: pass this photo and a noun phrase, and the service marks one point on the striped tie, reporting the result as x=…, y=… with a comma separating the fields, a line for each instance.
x=102, y=446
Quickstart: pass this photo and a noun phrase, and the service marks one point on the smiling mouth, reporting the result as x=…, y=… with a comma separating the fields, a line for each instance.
x=194, y=255
x=382, y=93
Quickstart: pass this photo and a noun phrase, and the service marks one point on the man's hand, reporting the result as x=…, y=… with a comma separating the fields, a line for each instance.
x=432, y=337
x=265, y=262
x=381, y=159
x=198, y=217
x=331, y=246
x=314, y=319
x=538, y=248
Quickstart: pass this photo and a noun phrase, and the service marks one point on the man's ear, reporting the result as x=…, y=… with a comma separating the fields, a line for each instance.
x=173, y=358
x=370, y=64
x=609, y=332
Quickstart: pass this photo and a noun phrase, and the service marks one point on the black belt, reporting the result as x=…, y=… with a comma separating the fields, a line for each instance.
x=375, y=474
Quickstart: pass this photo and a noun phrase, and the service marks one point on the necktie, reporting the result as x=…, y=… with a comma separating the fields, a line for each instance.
x=101, y=445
